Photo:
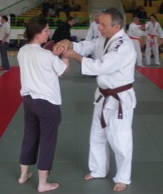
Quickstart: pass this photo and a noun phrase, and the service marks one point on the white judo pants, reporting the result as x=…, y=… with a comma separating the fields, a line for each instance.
x=117, y=134
x=152, y=44
x=138, y=51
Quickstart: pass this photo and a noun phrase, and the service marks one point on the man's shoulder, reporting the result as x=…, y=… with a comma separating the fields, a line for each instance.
x=132, y=24
x=122, y=43
x=149, y=22
x=118, y=42
x=158, y=23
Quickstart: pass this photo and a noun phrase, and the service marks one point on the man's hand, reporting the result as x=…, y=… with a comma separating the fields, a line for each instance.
x=62, y=46
x=72, y=55
x=69, y=54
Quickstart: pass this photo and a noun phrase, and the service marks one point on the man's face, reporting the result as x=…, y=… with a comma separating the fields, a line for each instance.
x=105, y=27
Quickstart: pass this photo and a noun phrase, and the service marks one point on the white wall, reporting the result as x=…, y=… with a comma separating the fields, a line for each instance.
x=16, y=9
x=80, y=33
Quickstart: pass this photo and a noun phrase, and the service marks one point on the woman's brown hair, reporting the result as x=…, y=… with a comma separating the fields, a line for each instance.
x=35, y=26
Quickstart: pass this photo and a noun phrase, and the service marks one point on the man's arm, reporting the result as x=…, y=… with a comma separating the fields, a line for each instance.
x=84, y=48
x=73, y=55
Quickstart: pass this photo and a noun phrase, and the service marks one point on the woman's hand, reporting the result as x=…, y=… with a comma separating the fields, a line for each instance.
x=66, y=61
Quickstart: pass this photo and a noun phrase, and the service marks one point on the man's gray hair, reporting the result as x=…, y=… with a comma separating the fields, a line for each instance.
x=117, y=17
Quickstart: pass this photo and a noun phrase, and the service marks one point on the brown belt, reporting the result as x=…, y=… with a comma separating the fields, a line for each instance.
x=112, y=92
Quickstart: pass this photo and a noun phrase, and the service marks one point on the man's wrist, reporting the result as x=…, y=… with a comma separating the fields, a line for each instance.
x=71, y=45
x=77, y=58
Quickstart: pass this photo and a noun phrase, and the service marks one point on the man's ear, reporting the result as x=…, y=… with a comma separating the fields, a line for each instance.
x=117, y=27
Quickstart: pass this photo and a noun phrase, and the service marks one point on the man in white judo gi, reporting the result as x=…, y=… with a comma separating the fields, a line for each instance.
x=135, y=32
x=153, y=32
x=114, y=66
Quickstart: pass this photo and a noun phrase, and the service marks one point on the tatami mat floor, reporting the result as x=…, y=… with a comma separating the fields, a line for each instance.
x=71, y=157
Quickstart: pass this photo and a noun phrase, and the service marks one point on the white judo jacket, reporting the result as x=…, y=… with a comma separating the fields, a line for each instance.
x=135, y=31
x=114, y=66
x=154, y=29
x=93, y=31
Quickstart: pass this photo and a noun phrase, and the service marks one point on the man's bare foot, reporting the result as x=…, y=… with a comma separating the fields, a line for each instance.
x=48, y=187
x=88, y=177
x=24, y=178
x=119, y=187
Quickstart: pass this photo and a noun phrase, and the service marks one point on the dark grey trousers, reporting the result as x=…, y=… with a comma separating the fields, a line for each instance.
x=4, y=57
x=40, y=132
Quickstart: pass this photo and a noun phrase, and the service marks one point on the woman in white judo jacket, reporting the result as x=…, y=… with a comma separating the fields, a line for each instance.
x=114, y=65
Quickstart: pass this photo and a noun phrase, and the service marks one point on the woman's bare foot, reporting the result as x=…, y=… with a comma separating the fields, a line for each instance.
x=24, y=178
x=119, y=187
x=88, y=177
x=48, y=187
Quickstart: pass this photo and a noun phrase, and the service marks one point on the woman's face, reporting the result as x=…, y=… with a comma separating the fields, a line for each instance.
x=44, y=35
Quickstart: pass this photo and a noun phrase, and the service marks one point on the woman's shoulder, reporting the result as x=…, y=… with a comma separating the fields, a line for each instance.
x=46, y=54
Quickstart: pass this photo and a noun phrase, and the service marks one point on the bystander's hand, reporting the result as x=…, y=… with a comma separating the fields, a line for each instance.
x=142, y=27
x=142, y=42
x=160, y=41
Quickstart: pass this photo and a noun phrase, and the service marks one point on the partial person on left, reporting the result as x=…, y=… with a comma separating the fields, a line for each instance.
x=5, y=31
